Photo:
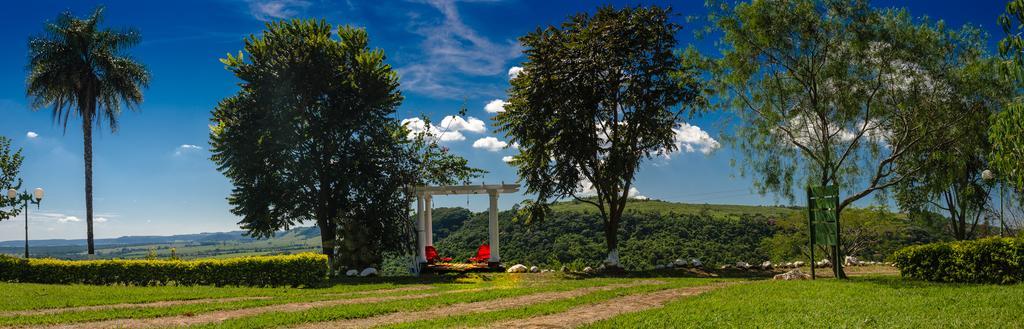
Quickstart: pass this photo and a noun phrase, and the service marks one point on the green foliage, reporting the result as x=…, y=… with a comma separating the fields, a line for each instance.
x=870, y=234
x=1007, y=137
x=10, y=165
x=950, y=179
x=648, y=238
x=989, y=260
x=293, y=270
x=596, y=96
x=311, y=136
x=834, y=92
x=81, y=71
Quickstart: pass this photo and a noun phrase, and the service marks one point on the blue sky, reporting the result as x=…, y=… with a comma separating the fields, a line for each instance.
x=154, y=176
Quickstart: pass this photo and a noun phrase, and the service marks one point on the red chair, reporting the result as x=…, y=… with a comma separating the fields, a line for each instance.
x=432, y=256
x=483, y=254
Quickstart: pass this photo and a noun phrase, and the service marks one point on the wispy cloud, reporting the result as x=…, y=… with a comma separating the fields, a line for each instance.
x=67, y=219
x=268, y=10
x=453, y=51
x=186, y=148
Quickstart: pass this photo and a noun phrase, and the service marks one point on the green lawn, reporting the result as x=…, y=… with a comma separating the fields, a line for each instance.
x=873, y=301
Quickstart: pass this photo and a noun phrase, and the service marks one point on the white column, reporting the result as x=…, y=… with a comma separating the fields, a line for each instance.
x=492, y=226
x=421, y=241
x=430, y=219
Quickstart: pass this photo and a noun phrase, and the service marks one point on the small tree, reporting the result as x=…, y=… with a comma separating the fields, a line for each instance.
x=597, y=96
x=833, y=92
x=10, y=165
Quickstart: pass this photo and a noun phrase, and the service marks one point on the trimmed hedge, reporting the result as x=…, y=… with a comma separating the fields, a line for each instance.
x=989, y=260
x=305, y=269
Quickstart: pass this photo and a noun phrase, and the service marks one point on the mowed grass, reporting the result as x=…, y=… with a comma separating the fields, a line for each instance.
x=861, y=302
x=871, y=301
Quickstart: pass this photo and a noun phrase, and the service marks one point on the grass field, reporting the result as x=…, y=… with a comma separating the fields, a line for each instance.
x=652, y=300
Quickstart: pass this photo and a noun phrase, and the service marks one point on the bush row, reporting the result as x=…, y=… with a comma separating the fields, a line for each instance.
x=288, y=270
x=990, y=260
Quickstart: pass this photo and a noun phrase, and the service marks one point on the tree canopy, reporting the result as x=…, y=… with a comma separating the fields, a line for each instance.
x=1007, y=132
x=310, y=136
x=834, y=92
x=596, y=96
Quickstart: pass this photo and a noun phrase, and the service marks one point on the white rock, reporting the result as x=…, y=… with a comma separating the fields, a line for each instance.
x=588, y=269
x=792, y=275
x=798, y=263
x=788, y=265
x=368, y=272
x=696, y=262
x=534, y=269
x=517, y=268
x=852, y=261
x=659, y=267
x=725, y=267
x=679, y=262
x=352, y=272
x=742, y=265
x=767, y=265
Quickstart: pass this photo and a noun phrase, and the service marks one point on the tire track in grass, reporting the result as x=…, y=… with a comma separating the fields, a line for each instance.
x=220, y=316
x=167, y=303
x=608, y=309
x=466, y=308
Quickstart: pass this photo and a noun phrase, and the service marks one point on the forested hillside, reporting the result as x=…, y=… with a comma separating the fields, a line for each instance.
x=657, y=232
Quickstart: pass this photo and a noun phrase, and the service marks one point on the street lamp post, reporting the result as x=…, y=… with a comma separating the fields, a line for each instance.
x=35, y=198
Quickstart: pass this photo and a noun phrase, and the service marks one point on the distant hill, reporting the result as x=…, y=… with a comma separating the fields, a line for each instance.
x=201, y=245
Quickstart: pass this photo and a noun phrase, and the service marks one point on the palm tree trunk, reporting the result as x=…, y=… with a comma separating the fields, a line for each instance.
x=87, y=139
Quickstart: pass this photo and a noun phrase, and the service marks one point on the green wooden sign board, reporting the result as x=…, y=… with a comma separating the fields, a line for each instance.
x=823, y=222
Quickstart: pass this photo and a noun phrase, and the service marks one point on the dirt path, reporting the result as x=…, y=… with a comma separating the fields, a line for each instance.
x=220, y=316
x=467, y=308
x=608, y=309
x=167, y=303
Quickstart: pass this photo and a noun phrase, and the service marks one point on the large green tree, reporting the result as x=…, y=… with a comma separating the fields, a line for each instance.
x=1007, y=131
x=951, y=179
x=10, y=165
x=311, y=136
x=597, y=96
x=82, y=70
x=833, y=92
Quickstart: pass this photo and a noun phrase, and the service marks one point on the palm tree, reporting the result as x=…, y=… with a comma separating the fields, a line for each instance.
x=80, y=71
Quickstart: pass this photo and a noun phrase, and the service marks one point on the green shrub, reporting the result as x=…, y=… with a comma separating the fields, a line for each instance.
x=990, y=260
x=306, y=269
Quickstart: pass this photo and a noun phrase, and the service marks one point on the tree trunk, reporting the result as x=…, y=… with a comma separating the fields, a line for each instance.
x=328, y=235
x=611, y=237
x=837, y=251
x=87, y=140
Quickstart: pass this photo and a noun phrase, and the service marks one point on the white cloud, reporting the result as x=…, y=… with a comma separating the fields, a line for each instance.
x=453, y=51
x=268, y=10
x=586, y=189
x=417, y=126
x=495, y=106
x=67, y=219
x=457, y=123
x=690, y=138
x=186, y=148
x=100, y=219
x=489, y=143
x=514, y=72
x=31, y=135
x=506, y=159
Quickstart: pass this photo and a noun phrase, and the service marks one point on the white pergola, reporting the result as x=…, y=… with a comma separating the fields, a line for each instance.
x=425, y=221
